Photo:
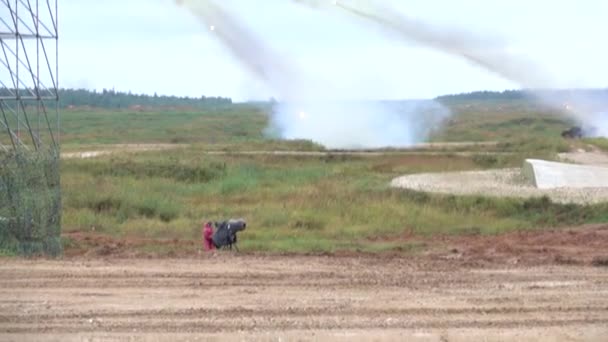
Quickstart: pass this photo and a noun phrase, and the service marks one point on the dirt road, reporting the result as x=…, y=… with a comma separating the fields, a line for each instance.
x=451, y=148
x=226, y=297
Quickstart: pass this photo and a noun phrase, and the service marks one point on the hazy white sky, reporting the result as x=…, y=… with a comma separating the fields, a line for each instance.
x=155, y=46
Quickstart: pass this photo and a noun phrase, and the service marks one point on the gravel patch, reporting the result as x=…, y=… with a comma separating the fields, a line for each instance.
x=497, y=183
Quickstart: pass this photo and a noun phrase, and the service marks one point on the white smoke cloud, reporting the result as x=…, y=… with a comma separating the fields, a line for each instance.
x=353, y=124
x=486, y=52
x=588, y=107
x=311, y=108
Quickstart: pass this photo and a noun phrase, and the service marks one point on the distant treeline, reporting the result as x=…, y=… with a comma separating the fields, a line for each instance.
x=524, y=94
x=112, y=99
x=487, y=95
x=115, y=99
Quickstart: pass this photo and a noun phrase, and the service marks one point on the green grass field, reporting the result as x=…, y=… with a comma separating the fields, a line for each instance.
x=237, y=127
x=294, y=203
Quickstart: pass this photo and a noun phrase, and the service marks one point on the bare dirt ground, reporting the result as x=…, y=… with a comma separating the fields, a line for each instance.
x=423, y=148
x=515, y=287
x=507, y=182
x=582, y=245
x=119, y=148
x=403, y=152
x=586, y=158
x=498, y=183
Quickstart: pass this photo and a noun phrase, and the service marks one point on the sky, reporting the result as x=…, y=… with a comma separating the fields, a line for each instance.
x=148, y=46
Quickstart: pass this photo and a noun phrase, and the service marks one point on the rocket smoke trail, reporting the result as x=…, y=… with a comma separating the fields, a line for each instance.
x=484, y=52
x=251, y=51
x=311, y=109
x=477, y=50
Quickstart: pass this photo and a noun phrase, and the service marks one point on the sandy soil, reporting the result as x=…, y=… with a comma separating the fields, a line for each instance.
x=284, y=298
x=499, y=183
x=507, y=182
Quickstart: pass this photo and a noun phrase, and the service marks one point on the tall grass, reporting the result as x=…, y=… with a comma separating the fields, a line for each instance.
x=296, y=203
x=293, y=204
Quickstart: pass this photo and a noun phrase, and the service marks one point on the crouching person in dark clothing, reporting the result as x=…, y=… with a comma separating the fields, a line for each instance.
x=225, y=233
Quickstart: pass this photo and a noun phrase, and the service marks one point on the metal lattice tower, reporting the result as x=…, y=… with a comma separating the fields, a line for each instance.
x=28, y=73
x=30, y=201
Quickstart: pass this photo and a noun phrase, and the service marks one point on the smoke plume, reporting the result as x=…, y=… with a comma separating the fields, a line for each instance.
x=359, y=124
x=251, y=51
x=485, y=52
x=311, y=108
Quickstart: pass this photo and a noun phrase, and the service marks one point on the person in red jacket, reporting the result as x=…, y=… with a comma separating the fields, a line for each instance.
x=207, y=236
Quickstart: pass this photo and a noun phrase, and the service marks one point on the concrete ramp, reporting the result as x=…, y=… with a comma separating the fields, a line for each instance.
x=550, y=175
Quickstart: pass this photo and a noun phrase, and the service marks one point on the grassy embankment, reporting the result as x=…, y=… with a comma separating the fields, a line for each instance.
x=293, y=204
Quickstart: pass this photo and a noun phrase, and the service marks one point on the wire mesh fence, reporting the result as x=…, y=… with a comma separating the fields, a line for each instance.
x=30, y=202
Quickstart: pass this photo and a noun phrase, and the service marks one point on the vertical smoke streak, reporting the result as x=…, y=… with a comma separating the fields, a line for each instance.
x=314, y=110
x=251, y=51
x=484, y=52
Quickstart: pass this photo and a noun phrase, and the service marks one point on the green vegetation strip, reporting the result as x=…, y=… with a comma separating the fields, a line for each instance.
x=292, y=204
x=301, y=204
